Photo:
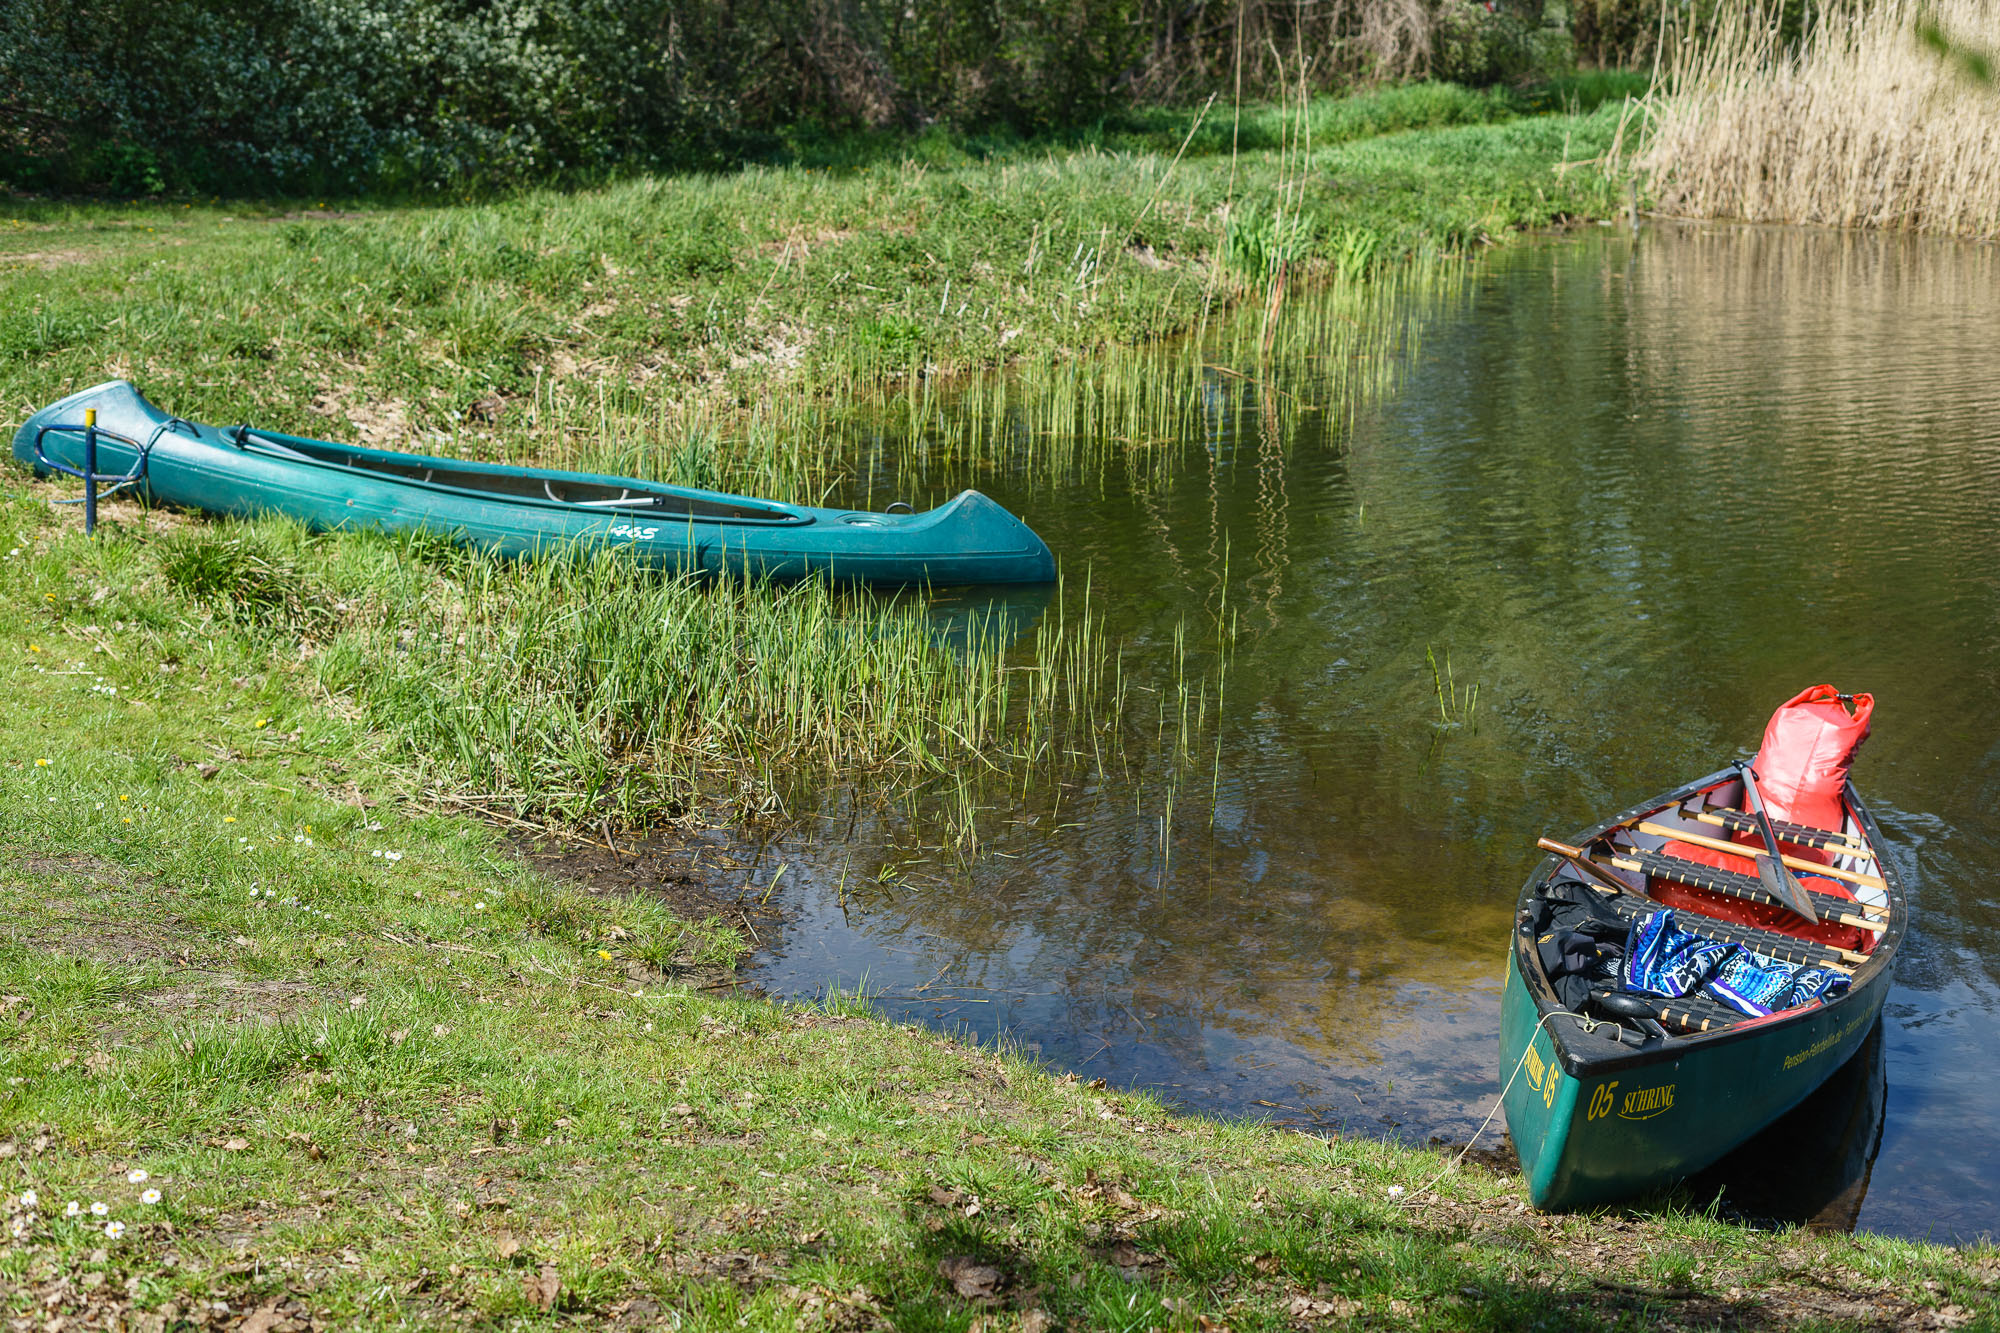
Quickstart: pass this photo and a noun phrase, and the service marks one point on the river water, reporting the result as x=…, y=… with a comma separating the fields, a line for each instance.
x=1638, y=490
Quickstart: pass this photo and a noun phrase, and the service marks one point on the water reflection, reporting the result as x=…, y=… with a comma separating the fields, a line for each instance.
x=1639, y=492
x=1812, y=1166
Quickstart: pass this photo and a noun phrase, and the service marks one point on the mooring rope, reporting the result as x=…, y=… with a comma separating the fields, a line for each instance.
x=1589, y=1025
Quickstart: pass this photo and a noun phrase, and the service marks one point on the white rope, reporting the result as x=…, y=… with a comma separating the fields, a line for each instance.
x=1589, y=1025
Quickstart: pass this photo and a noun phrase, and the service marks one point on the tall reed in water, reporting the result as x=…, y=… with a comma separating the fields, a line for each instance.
x=1859, y=124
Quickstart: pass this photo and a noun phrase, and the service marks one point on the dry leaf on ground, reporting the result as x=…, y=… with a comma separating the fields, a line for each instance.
x=542, y=1288
x=970, y=1278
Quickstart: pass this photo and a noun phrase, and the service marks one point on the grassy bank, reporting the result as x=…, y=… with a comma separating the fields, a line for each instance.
x=689, y=319
x=383, y=1074
x=566, y=691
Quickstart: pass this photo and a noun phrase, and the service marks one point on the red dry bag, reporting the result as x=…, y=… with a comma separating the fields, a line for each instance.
x=1808, y=747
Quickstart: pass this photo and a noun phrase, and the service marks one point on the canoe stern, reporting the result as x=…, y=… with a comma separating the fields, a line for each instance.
x=121, y=410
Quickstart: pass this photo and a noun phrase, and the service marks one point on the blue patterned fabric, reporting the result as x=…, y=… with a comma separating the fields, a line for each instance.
x=1753, y=984
x=1663, y=959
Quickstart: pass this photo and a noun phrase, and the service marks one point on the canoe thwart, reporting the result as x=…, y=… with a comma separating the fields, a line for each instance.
x=1799, y=835
x=1695, y=875
x=1798, y=863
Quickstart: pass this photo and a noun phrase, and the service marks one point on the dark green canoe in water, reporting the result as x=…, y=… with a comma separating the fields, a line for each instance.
x=1602, y=1106
x=523, y=511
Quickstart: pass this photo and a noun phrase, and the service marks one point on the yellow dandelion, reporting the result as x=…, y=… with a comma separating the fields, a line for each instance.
x=34, y=647
x=605, y=954
x=229, y=819
x=123, y=797
x=41, y=763
x=263, y=722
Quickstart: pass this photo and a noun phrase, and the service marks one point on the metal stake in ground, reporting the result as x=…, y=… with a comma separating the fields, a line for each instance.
x=89, y=471
x=1771, y=873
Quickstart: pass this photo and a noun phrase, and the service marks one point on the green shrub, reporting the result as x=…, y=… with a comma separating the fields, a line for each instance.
x=1509, y=44
x=144, y=97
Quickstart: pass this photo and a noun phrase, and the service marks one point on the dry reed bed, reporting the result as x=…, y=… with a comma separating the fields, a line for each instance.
x=1859, y=125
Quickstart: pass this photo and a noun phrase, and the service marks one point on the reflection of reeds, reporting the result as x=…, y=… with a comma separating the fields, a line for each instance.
x=1857, y=124
x=1122, y=419
x=1132, y=417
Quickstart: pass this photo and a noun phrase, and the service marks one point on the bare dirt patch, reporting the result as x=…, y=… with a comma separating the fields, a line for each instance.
x=46, y=259
x=65, y=925
x=235, y=999
x=665, y=867
x=123, y=511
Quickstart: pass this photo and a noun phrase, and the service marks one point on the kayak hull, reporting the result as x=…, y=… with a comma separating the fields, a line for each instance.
x=1595, y=1121
x=522, y=512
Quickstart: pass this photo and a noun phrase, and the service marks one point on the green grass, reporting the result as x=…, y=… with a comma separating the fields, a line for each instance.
x=382, y=1072
x=568, y=690
x=438, y=1089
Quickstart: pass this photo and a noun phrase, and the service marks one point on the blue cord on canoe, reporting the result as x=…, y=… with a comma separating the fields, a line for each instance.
x=130, y=477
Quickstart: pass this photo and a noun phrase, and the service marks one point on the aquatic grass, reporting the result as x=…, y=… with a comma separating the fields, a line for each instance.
x=1858, y=124
x=1457, y=705
x=580, y=685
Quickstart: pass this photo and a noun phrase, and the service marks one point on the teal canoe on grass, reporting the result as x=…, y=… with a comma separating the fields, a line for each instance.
x=518, y=511
x=1601, y=1111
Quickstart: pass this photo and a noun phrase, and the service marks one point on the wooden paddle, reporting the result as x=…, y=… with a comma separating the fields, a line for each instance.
x=1577, y=857
x=1738, y=849
x=1771, y=873
x=1699, y=875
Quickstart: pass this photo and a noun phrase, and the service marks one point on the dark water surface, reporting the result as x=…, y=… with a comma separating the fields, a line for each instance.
x=1639, y=491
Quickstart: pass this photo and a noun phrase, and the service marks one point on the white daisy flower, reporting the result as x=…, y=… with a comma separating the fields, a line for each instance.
x=19, y=1227
x=114, y=1229
x=137, y=1176
x=100, y=1208
x=149, y=1196
x=72, y=1209
x=29, y=1198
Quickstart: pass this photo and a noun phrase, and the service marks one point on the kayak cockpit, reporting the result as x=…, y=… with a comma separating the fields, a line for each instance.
x=520, y=484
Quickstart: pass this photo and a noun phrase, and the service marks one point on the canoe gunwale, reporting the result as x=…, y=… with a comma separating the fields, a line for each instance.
x=777, y=514
x=1594, y=1064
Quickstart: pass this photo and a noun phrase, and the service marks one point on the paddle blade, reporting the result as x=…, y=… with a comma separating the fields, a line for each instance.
x=1778, y=882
